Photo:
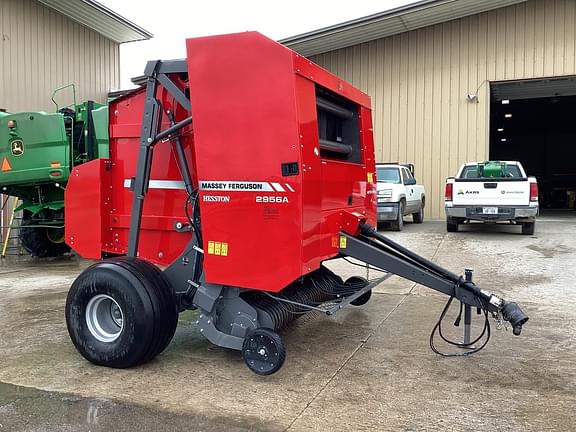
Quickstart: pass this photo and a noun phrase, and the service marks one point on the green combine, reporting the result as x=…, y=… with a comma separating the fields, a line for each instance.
x=37, y=153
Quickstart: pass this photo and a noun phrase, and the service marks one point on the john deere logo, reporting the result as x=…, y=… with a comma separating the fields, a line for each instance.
x=460, y=192
x=17, y=147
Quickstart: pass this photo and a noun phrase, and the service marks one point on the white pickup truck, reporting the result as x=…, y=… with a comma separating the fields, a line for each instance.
x=491, y=192
x=398, y=194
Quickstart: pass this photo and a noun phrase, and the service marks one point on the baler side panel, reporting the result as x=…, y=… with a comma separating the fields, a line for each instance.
x=87, y=202
x=164, y=204
x=245, y=127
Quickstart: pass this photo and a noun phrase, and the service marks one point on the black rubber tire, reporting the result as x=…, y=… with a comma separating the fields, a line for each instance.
x=361, y=282
x=148, y=305
x=37, y=242
x=528, y=228
x=398, y=224
x=451, y=225
x=418, y=218
x=260, y=338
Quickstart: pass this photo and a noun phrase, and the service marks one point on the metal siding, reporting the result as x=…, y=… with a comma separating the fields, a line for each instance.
x=419, y=80
x=42, y=50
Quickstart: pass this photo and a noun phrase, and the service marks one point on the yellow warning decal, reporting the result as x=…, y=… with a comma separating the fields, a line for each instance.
x=217, y=248
x=342, y=242
x=370, y=177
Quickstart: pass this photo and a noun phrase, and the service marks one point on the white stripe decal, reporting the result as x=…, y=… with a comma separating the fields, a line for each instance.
x=159, y=184
x=289, y=187
x=278, y=187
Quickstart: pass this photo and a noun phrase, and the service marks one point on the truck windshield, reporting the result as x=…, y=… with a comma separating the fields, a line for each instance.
x=388, y=175
x=471, y=172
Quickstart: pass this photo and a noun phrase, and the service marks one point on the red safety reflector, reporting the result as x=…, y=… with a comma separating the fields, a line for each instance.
x=448, y=192
x=533, y=191
x=55, y=173
x=6, y=165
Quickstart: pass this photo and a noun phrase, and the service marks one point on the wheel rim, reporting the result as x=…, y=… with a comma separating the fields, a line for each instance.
x=56, y=236
x=104, y=318
x=261, y=353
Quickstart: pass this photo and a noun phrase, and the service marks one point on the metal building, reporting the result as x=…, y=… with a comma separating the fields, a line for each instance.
x=46, y=44
x=462, y=80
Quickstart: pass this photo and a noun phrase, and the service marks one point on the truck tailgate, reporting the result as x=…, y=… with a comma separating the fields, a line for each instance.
x=492, y=193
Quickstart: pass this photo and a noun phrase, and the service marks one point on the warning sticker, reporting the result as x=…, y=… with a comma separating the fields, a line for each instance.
x=342, y=242
x=6, y=165
x=370, y=177
x=335, y=241
x=217, y=248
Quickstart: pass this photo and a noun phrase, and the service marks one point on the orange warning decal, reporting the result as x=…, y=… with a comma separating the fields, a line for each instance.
x=6, y=165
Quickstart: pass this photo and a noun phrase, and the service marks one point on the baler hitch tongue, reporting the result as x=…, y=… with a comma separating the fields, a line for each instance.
x=379, y=251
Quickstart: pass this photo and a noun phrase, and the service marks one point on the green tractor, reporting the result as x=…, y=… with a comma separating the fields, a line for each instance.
x=37, y=153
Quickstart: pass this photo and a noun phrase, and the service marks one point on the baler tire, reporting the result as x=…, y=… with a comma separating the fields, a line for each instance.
x=37, y=242
x=364, y=298
x=528, y=228
x=148, y=311
x=258, y=339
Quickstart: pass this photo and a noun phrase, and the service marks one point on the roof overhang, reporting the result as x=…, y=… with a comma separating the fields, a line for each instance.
x=406, y=18
x=99, y=18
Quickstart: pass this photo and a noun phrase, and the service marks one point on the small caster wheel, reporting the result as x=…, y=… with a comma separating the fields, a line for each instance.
x=263, y=351
x=359, y=283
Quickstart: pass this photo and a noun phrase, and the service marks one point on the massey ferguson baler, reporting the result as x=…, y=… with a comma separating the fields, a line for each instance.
x=239, y=172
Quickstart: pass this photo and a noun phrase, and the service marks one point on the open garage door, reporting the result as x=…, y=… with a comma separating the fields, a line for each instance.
x=534, y=121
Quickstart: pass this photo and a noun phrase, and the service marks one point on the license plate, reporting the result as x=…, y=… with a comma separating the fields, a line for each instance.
x=490, y=210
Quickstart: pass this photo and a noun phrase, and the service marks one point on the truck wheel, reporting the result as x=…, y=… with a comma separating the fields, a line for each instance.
x=121, y=312
x=398, y=224
x=451, y=225
x=419, y=217
x=528, y=228
x=41, y=242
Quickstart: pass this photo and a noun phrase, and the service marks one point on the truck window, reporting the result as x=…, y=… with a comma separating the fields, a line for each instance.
x=471, y=172
x=388, y=175
x=404, y=175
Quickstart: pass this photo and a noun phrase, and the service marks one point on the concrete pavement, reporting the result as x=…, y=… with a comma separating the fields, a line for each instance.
x=368, y=368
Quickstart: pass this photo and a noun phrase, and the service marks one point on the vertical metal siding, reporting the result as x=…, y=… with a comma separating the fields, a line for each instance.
x=41, y=50
x=419, y=80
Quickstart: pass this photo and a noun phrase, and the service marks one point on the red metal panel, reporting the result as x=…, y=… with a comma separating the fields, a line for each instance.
x=87, y=202
x=245, y=127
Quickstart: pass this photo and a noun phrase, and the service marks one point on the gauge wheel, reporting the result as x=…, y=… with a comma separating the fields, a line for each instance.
x=359, y=283
x=263, y=351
